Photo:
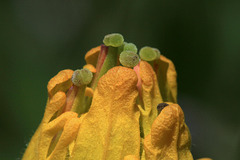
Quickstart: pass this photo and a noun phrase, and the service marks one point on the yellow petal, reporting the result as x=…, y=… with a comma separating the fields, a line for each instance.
x=131, y=157
x=166, y=75
x=110, y=130
x=169, y=137
x=49, y=130
x=150, y=96
x=71, y=146
x=57, y=124
x=69, y=133
x=91, y=56
x=90, y=67
x=60, y=82
x=53, y=105
x=32, y=148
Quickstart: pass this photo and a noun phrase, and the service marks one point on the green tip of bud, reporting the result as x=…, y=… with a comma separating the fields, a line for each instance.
x=128, y=59
x=114, y=40
x=82, y=77
x=130, y=47
x=149, y=54
x=157, y=52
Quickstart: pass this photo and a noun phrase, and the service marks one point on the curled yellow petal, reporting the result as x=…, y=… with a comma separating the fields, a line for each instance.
x=49, y=130
x=167, y=79
x=54, y=126
x=150, y=96
x=169, y=137
x=69, y=133
x=90, y=67
x=53, y=105
x=60, y=82
x=110, y=130
x=91, y=56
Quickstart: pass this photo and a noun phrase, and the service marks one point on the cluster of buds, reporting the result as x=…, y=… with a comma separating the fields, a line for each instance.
x=121, y=106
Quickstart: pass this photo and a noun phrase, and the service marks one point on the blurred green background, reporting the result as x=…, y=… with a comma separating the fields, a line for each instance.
x=41, y=37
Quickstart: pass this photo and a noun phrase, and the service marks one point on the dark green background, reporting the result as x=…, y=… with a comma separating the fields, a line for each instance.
x=38, y=38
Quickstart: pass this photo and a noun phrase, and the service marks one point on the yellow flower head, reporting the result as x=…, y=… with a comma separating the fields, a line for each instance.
x=118, y=107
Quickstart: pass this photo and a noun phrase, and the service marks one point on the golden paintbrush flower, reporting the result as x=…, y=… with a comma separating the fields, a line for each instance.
x=113, y=112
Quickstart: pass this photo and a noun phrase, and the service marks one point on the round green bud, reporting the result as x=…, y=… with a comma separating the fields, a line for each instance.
x=114, y=40
x=120, y=48
x=130, y=47
x=82, y=77
x=128, y=59
x=158, y=52
x=148, y=54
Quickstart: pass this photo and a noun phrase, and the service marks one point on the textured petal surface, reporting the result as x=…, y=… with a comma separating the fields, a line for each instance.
x=150, y=96
x=91, y=56
x=131, y=157
x=69, y=133
x=110, y=130
x=90, y=67
x=57, y=100
x=32, y=148
x=53, y=105
x=60, y=82
x=169, y=137
x=167, y=79
x=49, y=130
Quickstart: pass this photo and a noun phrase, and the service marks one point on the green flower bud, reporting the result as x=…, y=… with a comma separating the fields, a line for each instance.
x=149, y=54
x=114, y=40
x=130, y=47
x=157, y=52
x=129, y=59
x=82, y=77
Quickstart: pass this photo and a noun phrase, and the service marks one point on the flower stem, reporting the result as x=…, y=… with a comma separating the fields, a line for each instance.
x=79, y=102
